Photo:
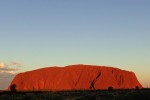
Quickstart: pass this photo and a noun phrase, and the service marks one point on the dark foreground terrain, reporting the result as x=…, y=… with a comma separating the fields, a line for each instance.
x=143, y=94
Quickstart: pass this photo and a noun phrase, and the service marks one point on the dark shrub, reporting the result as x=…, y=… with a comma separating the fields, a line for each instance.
x=13, y=88
x=137, y=88
x=110, y=88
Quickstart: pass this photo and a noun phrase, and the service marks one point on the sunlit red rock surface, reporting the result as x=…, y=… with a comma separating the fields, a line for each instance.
x=76, y=77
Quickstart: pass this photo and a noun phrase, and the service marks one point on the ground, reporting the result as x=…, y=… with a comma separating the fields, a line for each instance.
x=143, y=94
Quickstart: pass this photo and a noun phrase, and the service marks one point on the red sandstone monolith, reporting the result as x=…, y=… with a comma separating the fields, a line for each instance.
x=76, y=77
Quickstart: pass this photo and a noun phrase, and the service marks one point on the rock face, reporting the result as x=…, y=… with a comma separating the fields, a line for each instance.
x=76, y=77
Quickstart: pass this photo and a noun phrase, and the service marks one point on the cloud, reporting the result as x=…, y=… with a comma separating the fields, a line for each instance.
x=11, y=72
x=9, y=68
x=15, y=63
x=4, y=74
x=2, y=65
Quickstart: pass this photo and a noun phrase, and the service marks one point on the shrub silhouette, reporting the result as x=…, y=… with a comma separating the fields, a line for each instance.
x=110, y=88
x=13, y=88
x=137, y=88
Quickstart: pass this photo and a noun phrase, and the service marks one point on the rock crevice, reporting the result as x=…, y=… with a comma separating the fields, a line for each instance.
x=93, y=82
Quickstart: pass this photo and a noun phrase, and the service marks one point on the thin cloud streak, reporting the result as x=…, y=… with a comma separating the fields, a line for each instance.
x=10, y=68
x=15, y=63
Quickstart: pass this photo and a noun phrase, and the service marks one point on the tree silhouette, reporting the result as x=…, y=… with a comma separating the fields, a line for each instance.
x=13, y=88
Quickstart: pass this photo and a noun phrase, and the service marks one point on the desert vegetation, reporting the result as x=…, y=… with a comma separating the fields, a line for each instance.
x=13, y=88
x=110, y=94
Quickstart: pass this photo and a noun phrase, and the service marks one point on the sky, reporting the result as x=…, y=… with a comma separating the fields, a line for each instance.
x=41, y=33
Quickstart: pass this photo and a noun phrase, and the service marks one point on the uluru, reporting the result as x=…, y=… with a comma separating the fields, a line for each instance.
x=76, y=77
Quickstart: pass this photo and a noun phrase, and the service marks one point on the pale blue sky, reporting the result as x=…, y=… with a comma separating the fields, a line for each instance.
x=41, y=33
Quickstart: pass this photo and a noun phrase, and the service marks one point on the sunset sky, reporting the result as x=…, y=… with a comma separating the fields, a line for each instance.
x=42, y=33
